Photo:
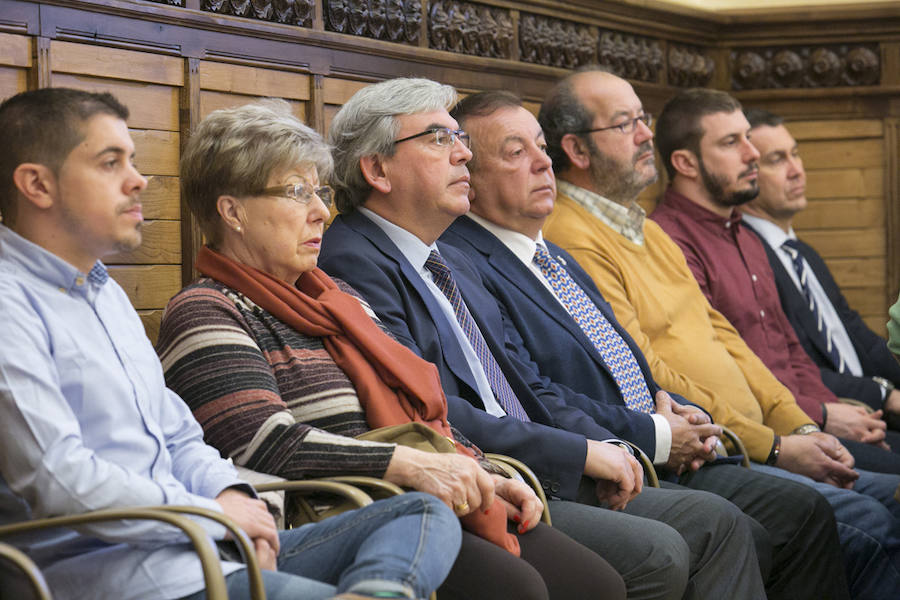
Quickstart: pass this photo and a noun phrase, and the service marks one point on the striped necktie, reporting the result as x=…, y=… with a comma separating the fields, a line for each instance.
x=504, y=394
x=612, y=348
x=802, y=269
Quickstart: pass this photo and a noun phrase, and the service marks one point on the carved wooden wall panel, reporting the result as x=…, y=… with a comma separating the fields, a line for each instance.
x=392, y=20
x=469, y=28
x=631, y=56
x=556, y=43
x=291, y=12
x=805, y=66
x=690, y=66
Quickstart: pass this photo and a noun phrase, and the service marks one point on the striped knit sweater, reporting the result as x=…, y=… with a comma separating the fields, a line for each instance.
x=268, y=397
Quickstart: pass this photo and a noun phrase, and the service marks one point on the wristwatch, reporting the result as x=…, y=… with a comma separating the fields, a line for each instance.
x=886, y=384
x=806, y=429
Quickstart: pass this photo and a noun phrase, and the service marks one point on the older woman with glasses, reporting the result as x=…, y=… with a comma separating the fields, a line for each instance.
x=284, y=367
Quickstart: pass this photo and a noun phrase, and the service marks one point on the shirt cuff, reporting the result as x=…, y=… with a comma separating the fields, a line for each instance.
x=663, y=439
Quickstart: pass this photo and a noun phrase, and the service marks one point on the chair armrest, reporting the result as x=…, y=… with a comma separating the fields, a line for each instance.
x=209, y=558
x=738, y=445
x=517, y=466
x=241, y=540
x=303, y=511
x=24, y=564
x=372, y=485
x=649, y=469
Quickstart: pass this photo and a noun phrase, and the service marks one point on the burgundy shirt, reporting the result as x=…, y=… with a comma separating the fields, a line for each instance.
x=731, y=266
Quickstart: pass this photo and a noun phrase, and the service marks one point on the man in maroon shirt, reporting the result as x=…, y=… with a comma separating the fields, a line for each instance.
x=703, y=139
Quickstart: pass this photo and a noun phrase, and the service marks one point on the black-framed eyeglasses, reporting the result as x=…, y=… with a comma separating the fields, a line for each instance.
x=443, y=136
x=301, y=192
x=625, y=126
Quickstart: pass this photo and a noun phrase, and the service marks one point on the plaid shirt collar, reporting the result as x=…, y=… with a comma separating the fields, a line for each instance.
x=625, y=220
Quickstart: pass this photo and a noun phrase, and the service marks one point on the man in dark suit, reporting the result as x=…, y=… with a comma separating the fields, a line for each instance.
x=854, y=361
x=551, y=306
x=401, y=180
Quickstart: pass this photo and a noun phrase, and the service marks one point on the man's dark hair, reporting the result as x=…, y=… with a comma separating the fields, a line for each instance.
x=758, y=117
x=43, y=126
x=561, y=113
x=678, y=126
x=482, y=104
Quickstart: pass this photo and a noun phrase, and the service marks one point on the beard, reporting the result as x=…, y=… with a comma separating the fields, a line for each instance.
x=620, y=182
x=715, y=185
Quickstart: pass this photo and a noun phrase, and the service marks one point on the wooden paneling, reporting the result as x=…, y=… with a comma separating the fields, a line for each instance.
x=210, y=101
x=161, y=244
x=12, y=81
x=253, y=81
x=151, y=106
x=156, y=152
x=151, y=320
x=15, y=50
x=845, y=167
x=99, y=61
x=160, y=199
x=148, y=287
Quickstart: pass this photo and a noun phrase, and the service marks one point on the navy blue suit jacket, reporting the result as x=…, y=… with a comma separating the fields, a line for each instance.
x=874, y=356
x=551, y=336
x=359, y=252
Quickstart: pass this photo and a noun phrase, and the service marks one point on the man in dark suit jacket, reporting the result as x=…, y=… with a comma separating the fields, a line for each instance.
x=513, y=190
x=401, y=180
x=854, y=361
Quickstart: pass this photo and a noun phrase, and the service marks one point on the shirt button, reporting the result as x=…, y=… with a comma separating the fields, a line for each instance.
x=63, y=290
x=79, y=281
x=727, y=224
x=762, y=313
x=753, y=277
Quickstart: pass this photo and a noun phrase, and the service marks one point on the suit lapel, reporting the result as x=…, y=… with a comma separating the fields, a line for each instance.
x=450, y=348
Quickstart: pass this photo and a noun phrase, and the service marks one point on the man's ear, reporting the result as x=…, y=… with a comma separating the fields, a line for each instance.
x=231, y=210
x=577, y=151
x=373, y=170
x=36, y=183
x=686, y=163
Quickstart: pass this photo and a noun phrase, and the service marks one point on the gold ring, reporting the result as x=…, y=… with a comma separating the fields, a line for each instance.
x=461, y=507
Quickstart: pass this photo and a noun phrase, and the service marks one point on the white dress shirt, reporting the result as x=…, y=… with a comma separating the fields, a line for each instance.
x=417, y=253
x=523, y=247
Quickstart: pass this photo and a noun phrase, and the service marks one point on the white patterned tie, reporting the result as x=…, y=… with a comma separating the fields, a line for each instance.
x=612, y=348
x=802, y=269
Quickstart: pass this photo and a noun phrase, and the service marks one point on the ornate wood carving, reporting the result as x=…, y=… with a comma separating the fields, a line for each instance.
x=392, y=20
x=292, y=12
x=469, y=28
x=554, y=42
x=690, y=66
x=631, y=56
x=805, y=67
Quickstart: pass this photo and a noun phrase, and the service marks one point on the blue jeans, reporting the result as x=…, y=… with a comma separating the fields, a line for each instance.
x=868, y=519
x=404, y=544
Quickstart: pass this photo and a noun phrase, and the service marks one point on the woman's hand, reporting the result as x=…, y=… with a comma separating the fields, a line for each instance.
x=457, y=480
x=522, y=504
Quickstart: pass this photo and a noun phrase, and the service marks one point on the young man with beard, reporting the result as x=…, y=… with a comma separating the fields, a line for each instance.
x=853, y=360
x=703, y=139
x=597, y=134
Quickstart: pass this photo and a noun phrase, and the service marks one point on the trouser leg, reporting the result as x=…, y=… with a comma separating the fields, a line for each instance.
x=651, y=557
x=800, y=523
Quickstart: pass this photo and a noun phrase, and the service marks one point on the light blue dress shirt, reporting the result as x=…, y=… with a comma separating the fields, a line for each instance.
x=417, y=252
x=86, y=423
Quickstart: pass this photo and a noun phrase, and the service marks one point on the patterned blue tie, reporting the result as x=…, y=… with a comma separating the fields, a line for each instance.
x=504, y=394
x=802, y=269
x=612, y=348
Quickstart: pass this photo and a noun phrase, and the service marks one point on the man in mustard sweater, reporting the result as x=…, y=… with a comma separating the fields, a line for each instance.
x=602, y=151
